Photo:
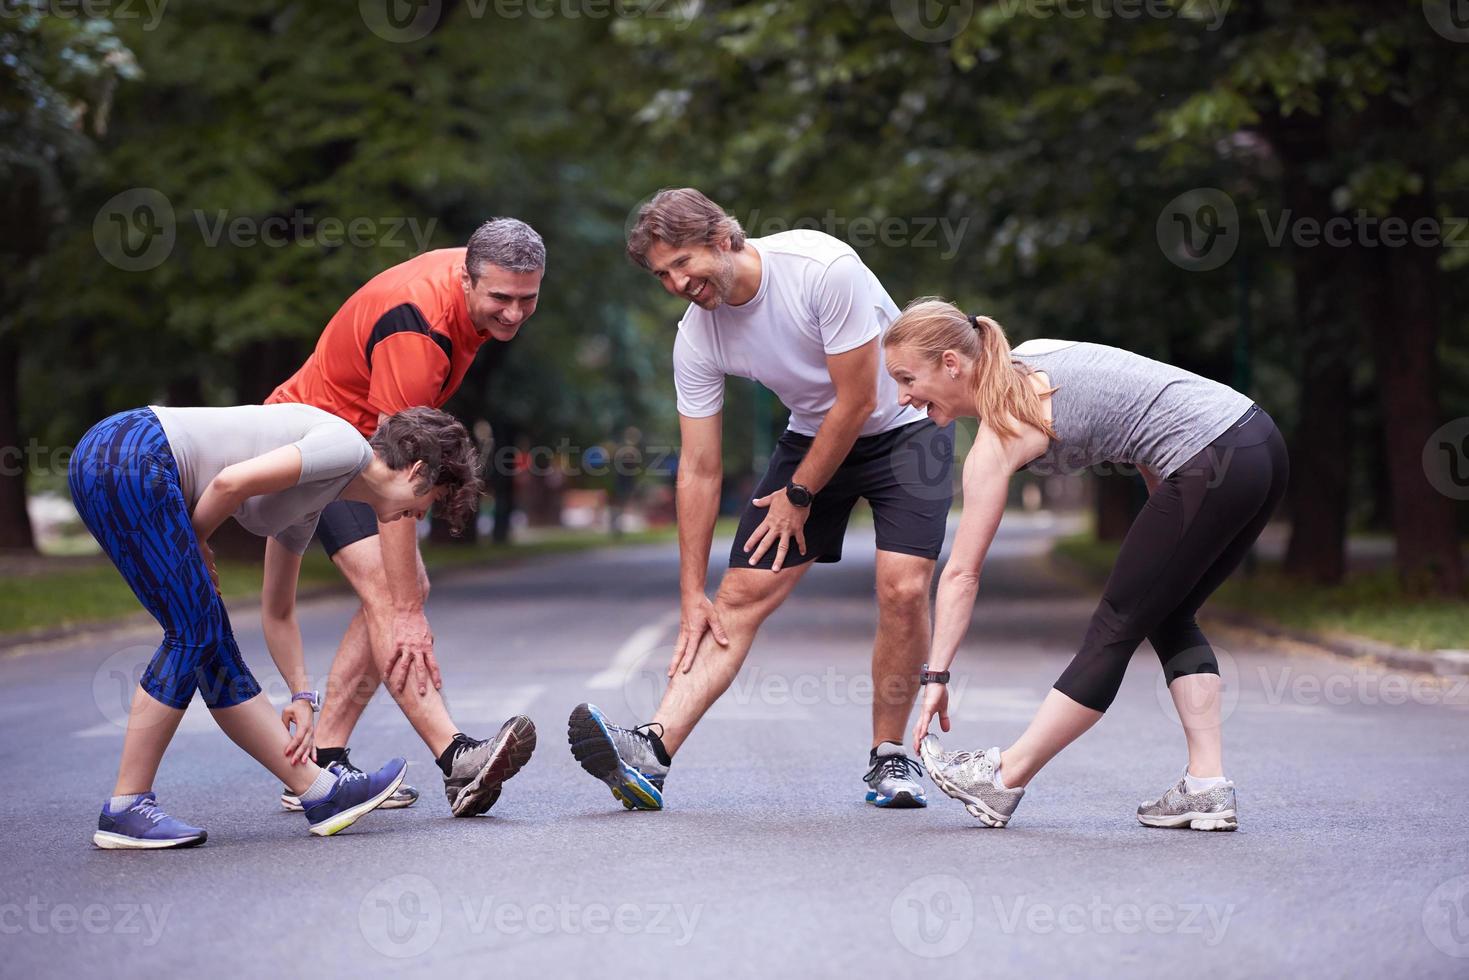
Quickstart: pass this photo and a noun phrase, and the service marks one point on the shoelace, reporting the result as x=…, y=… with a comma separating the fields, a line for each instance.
x=150, y=810
x=646, y=730
x=896, y=766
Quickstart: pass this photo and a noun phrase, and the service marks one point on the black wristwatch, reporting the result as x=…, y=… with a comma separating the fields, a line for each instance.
x=933, y=676
x=798, y=495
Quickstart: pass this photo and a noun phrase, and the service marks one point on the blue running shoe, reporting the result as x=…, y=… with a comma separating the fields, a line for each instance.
x=892, y=780
x=356, y=793
x=144, y=826
x=631, y=761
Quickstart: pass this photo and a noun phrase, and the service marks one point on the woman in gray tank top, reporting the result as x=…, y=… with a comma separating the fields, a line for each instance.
x=1215, y=465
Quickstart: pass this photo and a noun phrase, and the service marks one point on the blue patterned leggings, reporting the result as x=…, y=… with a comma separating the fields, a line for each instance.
x=125, y=484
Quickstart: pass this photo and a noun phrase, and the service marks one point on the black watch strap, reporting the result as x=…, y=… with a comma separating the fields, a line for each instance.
x=933, y=676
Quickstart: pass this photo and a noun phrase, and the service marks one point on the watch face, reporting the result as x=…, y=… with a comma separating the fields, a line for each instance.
x=798, y=495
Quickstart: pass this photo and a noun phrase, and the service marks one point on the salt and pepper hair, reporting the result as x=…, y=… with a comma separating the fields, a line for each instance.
x=508, y=243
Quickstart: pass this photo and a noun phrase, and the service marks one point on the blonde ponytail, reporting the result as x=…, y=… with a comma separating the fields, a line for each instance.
x=1003, y=397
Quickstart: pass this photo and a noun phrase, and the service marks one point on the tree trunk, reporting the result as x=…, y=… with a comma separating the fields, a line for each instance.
x=1321, y=449
x=1400, y=295
x=15, y=523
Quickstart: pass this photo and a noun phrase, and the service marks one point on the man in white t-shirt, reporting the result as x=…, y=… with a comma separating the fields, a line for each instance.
x=799, y=313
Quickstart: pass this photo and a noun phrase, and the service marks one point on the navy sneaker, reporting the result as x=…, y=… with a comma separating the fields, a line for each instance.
x=144, y=825
x=405, y=797
x=356, y=793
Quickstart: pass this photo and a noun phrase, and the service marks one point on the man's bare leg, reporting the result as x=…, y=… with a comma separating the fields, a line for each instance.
x=362, y=564
x=903, y=629
x=746, y=597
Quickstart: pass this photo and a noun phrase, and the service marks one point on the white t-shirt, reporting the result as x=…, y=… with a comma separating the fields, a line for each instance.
x=815, y=298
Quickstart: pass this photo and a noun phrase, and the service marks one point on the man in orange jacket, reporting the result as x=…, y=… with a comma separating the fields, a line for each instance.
x=406, y=339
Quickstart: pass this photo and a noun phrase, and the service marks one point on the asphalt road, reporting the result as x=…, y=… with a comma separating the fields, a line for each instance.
x=1352, y=859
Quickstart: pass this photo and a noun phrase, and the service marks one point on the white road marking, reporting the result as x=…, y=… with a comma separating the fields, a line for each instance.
x=634, y=650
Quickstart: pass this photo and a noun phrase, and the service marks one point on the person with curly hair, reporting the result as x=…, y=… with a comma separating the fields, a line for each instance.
x=153, y=484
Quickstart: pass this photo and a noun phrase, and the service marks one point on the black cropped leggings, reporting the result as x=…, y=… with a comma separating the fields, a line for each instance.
x=1195, y=529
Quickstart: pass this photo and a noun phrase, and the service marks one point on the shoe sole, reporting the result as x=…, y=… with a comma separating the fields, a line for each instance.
x=1223, y=820
x=514, y=744
x=903, y=801
x=592, y=746
x=973, y=804
x=404, y=798
x=121, y=842
x=340, y=822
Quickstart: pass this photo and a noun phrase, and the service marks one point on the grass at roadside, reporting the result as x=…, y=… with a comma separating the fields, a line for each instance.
x=1369, y=604
x=96, y=593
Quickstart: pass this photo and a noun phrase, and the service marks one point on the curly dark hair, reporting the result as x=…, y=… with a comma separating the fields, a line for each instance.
x=440, y=442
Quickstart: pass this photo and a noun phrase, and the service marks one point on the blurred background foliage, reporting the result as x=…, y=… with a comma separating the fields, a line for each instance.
x=1024, y=166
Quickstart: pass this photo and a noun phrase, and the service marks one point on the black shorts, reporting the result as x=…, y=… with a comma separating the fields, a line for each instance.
x=905, y=474
x=345, y=522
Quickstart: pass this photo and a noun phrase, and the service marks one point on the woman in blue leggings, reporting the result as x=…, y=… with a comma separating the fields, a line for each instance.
x=153, y=484
x=1215, y=466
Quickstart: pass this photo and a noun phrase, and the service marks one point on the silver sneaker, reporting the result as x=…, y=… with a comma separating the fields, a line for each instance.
x=480, y=768
x=626, y=759
x=969, y=777
x=404, y=796
x=892, y=782
x=1213, y=809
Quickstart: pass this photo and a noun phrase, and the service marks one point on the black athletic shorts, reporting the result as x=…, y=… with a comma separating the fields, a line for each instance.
x=905, y=474
x=345, y=522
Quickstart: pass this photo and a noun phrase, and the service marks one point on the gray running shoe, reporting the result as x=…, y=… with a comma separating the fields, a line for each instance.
x=631, y=761
x=1213, y=809
x=892, y=782
x=480, y=768
x=405, y=796
x=969, y=777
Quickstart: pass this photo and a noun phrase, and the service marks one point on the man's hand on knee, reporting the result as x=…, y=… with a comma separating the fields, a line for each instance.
x=412, y=653
x=699, y=617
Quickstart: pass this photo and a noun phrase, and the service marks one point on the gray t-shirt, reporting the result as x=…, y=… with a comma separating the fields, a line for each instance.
x=206, y=440
x=1111, y=405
